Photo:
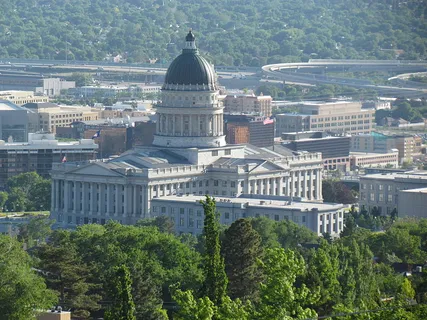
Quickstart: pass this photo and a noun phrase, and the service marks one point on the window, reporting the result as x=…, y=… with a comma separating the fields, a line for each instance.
x=381, y=197
x=227, y=215
x=163, y=210
x=303, y=219
x=215, y=153
x=233, y=184
x=181, y=221
x=276, y=217
x=154, y=209
x=372, y=196
x=181, y=210
x=390, y=198
x=227, y=152
x=215, y=183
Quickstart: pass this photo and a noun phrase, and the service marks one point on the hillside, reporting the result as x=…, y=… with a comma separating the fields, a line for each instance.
x=255, y=33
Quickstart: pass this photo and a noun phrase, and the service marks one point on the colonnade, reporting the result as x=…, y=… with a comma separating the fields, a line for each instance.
x=190, y=125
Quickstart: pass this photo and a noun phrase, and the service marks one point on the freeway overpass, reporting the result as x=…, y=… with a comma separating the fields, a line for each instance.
x=316, y=71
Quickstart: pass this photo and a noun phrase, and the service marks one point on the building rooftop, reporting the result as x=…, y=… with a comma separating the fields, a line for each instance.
x=284, y=203
x=6, y=105
x=418, y=190
x=418, y=175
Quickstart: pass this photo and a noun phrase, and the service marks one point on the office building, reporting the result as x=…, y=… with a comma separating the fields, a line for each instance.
x=335, y=149
x=407, y=145
x=248, y=104
x=383, y=191
x=37, y=83
x=22, y=97
x=46, y=117
x=13, y=122
x=360, y=160
x=341, y=116
x=256, y=130
x=39, y=153
x=189, y=155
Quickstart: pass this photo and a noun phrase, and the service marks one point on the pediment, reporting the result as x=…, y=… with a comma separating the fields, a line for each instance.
x=266, y=166
x=94, y=169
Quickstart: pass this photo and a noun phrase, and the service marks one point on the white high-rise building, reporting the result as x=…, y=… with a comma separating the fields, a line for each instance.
x=189, y=156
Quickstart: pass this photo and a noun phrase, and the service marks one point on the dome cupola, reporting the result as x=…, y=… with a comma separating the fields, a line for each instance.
x=190, y=71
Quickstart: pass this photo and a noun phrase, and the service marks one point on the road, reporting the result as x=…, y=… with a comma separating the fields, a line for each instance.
x=315, y=72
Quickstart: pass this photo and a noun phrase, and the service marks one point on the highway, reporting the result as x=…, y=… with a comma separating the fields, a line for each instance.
x=316, y=72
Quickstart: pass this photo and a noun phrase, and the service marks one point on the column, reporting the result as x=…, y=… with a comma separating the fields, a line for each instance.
x=149, y=196
x=198, y=125
x=190, y=123
x=304, y=189
x=66, y=196
x=280, y=186
x=84, y=197
x=109, y=199
x=173, y=124
x=318, y=185
x=52, y=196
x=118, y=209
x=126, y=201
x=182, y=125
x=311, y=188
x=101, y=201
x=273, y=187
x=135, y=200
x=292, y=185
x=76, y=189
x=56, y=186
x=221, y=125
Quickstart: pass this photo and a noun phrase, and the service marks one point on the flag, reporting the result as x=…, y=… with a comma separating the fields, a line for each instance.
x=268, y=121
x=64, y=159
x=97, y=134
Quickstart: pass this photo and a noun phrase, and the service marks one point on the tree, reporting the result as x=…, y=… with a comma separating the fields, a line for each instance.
x=81, y=78
x=338, y=192
x=242, y=249
x=3, y=198
x=215, y=284
x=322, y=274
x=22, y=292
x=68, y=275
x=280, y=298
x=28, y=191
x=38, y=229
x=163, y=223
x=123, y=307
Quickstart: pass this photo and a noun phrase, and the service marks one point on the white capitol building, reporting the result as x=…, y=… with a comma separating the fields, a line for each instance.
x=189, y=159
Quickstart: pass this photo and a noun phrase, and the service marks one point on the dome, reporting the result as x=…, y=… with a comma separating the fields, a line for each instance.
x=190, y=69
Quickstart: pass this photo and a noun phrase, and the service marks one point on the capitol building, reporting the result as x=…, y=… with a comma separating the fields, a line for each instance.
x=189, y=158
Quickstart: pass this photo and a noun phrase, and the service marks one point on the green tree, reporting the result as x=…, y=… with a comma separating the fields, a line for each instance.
x=215, y=284
x=281, y=298
x=122, y=306
x=3, y=198
x=81, y=78
x=68, y=275
x=322, y=274
x=163, y=223
x=22, y=292
x=242, y=249
x=38, y=229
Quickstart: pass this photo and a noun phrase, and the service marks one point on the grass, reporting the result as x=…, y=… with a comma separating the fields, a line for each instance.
x=26, y=213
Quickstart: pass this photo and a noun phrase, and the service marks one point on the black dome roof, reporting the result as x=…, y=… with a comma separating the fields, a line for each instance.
x=190, y=68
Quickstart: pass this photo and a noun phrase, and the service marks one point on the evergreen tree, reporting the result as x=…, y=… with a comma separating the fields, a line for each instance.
x=123, y=307
x=68, y=275
x=215, y=285
x=242, y=248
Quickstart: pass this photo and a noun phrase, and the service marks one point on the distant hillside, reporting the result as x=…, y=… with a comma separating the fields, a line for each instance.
x=229, y=32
